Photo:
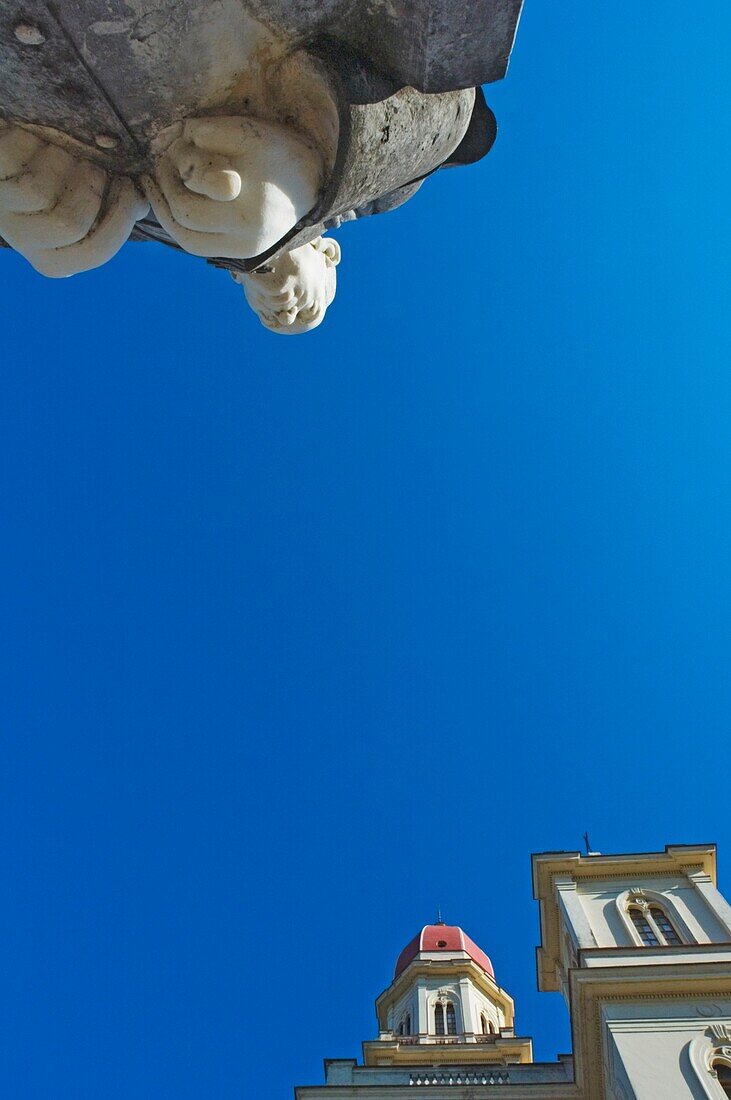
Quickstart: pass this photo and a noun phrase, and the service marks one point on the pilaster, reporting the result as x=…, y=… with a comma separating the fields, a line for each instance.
x=468, y=1007
x=713, y=898
x=574, y=914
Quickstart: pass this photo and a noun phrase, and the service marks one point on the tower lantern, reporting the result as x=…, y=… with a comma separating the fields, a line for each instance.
x=443, y=999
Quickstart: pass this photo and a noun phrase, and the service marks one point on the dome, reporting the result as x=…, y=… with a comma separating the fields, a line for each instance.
x=442, y=937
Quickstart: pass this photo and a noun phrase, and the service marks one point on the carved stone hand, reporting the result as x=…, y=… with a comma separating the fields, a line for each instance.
x=233, y=187
x=60, y=210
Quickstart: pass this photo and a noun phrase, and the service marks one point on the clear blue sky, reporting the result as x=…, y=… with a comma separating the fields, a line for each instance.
x=305, y=636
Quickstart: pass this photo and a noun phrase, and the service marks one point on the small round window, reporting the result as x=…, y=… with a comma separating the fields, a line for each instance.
x=441, y=943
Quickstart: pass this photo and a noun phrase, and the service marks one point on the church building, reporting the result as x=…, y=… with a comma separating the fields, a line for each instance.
x=640, y=947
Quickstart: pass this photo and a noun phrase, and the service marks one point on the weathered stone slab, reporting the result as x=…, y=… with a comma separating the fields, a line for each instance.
x=433, y=45
x=129, y=65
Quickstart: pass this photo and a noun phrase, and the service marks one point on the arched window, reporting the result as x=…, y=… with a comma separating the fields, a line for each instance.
x=643, y=926
x=653, y=925
x=664, y=926
x=407, y=1025
x=492, y=1028
x=710, y=1059
x=653, y=919
x=438, y=1019
x=401, y=1028
x=724, y=1076
x=483, y=1021
x=451, y=1019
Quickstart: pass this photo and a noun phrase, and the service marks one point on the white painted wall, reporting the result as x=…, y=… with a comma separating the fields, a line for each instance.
x=469, y=1002
x=648, y=1048
x=599, y=902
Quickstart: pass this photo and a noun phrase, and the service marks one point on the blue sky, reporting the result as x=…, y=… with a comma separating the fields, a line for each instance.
x=304, y=637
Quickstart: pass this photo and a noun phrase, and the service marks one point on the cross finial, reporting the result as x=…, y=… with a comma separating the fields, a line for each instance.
x=439, y=915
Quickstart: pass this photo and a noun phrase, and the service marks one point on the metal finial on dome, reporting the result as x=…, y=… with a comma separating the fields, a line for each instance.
x=439, y=915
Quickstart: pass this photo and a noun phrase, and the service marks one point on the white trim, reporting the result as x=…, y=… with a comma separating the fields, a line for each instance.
x=703, y=1052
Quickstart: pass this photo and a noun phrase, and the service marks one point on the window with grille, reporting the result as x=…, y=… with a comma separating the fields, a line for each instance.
x=652, y=923
x=644, y=928
x=664, y=926
x=451, y=1019
x=438, y=1019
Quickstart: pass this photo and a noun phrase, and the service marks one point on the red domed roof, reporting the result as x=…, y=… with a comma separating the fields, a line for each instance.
x=442, y=937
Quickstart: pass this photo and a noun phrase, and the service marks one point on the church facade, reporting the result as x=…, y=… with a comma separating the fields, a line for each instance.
x=640, y=946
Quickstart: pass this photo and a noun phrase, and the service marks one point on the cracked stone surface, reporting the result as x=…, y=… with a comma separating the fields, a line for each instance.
x=123, y=68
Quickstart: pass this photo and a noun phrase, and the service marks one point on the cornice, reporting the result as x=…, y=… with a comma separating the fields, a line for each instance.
x=675, y=857
x=496, y=1051
x=622, y=876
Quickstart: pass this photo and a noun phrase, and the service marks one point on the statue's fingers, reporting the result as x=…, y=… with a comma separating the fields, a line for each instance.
x=227, y=136
x=72, y=216
x=219, y=183
x=191, y=211
x=205, y=173
x=123, y=207
x=39, y=184
x=196, y=242
x=82, y=201
x=17, y=147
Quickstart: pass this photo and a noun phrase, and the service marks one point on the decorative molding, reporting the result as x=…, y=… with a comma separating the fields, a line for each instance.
x=720, y=1032
x=670, y=996
x=707, y=1011
x=704, y=1051
x=581, y=876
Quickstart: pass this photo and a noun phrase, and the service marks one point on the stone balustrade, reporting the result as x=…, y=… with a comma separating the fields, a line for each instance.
x=460, y=1077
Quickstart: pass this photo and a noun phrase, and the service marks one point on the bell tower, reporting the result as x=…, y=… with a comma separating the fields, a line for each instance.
x=444, y=1007
x=640, y=946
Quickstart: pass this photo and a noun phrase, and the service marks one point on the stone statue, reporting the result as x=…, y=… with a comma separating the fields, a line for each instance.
x=239, y=131
x=290, y=294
